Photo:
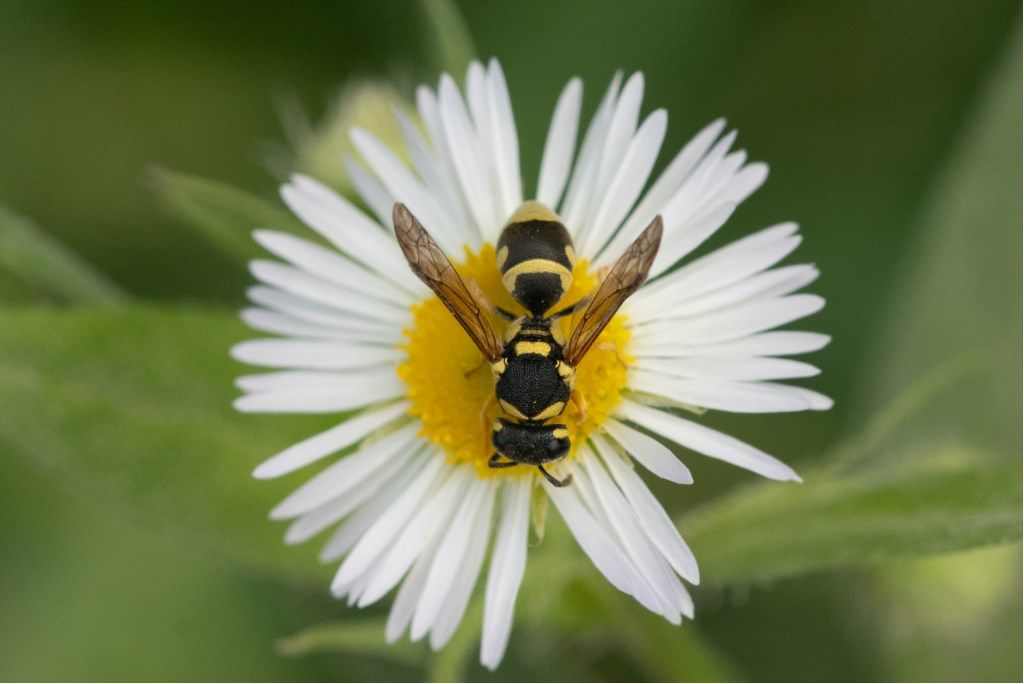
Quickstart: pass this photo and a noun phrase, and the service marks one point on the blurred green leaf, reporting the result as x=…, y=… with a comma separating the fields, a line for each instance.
x=318, y=149
x=939, y=469
x=223, y=214
x=450, y=663
x=932, y=498
x=133, y=408
x=449, y=40
x=960, y=294
x=364, y=636
x=45, y=265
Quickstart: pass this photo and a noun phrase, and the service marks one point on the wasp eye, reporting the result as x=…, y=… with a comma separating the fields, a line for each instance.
x=553, y=445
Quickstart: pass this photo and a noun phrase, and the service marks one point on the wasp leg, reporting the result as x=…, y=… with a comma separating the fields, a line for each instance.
x=493, y=462
x=484, y=303
x=492, y=401
x=554, y=480
x=580, y=403
x=572, y=308
x=609, y=346
x=507, y=315
x=474, y=369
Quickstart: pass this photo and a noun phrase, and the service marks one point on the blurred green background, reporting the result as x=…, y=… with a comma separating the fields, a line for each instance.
x=140, y=141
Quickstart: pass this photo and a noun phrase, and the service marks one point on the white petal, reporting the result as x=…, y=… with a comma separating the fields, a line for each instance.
x=450, y=556
x=560, y=145
x=440, y=176
x=302, y=379
x=380, y=535
x=620, y=130
x=466, y=152
x=621, y=127
x=349, y=229
x=665, y=187
x=353, y=529
x=595, y=542
x=630, y=178
x=320, y=314
x=640, y=588
x=332, y=267
x=466, y=576
x=505, y=142
x=654, y=520
x=409, y=594
x=331, y=441
x=725, y=367
x=732, y=323
x=370, y=189
x=585, y=171
x=723, y=395
x=693, y=195
x=323, y=398
x=770, y=284
x=425, y=524
x=676, y=244
x=817, y=401
x=729, y=264
x=284, y=353
x=648, y=561
x=706, y=441
x=649, y=452
x=508, y=562
x=762, y=344
x=282, y=324
x=303, y=284
x=310, y=524
x=402, y=184
x=347, y=473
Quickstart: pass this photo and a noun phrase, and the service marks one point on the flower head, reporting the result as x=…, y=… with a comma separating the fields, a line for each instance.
x=412, y=502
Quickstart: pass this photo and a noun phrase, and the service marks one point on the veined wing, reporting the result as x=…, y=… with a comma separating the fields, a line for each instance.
x=468, y=304
x=625, y=278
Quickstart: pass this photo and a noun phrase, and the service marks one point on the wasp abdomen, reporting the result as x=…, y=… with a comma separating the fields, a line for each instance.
x=536, y=257
x=530, y=444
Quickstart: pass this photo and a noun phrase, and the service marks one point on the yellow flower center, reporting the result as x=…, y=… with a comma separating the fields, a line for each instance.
x=449, y=381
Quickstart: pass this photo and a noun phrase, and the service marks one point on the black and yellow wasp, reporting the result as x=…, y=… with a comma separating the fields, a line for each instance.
x=534, y=366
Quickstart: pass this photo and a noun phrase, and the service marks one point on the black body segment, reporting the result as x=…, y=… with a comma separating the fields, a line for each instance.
x=535, y=257
x=530, y=444
x=530, y=385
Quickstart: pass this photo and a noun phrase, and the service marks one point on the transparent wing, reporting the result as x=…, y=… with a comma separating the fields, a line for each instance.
x=625, y=278
x=467, y=303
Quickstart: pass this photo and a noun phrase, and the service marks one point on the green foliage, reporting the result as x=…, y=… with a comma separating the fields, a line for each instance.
x=932, y=497
x=223, y=215
x=360, y=635
x=906, y=181
x=134, y=408
x=938, y=469
x=451, y=45
x=48, y=268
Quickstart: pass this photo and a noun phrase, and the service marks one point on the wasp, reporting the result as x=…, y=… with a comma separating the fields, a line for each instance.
x=533, y=365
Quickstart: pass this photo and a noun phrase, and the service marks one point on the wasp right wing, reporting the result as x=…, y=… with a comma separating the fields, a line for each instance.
x=625, y=278
x=466, y=302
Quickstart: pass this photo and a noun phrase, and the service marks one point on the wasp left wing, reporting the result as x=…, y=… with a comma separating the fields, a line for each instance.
x=467, y=303
x=625, y=278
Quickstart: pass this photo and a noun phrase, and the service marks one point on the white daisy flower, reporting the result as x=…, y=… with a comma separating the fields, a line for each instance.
x=411, y=502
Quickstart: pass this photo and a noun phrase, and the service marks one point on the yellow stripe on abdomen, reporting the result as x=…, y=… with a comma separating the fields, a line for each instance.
x=541, y=348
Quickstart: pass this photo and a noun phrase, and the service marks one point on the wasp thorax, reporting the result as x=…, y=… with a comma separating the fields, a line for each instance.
x=530, y=443
x=535, y=257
